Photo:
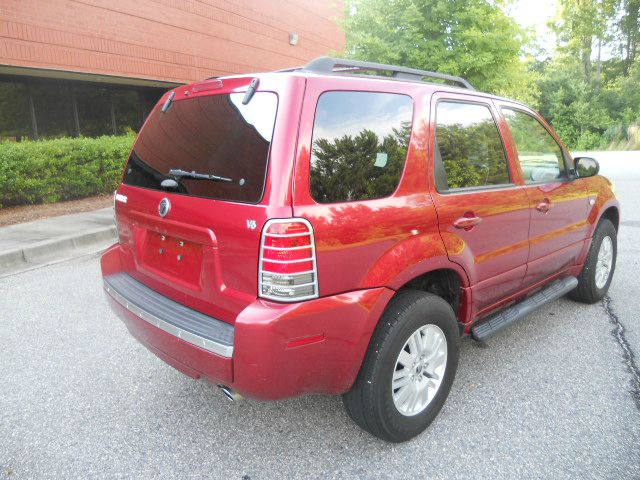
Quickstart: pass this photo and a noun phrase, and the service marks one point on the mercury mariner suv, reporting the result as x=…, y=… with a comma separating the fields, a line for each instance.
x=338, y=228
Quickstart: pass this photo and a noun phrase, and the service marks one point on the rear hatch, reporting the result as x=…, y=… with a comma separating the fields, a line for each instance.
x=205, y=173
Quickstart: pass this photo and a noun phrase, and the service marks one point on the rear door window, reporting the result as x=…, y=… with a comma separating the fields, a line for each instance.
x=468, y=149
x=359, y=146
x=540, y=156
x=213, y=135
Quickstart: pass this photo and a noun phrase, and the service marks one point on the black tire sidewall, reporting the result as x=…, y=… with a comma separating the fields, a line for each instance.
x=429, y=309
x=604, y=229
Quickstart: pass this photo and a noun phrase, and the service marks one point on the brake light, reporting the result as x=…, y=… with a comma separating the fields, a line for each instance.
x=287, y=270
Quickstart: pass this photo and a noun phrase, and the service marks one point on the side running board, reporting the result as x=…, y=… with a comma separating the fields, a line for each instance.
x=501, y=320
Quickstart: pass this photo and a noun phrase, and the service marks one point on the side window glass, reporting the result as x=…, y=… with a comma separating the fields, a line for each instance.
x=359, y=145
x=540, y=156
x=468, y=150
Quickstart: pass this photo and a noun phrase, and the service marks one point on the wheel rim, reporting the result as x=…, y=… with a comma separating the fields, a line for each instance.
x=604, y=263
x=419, y=370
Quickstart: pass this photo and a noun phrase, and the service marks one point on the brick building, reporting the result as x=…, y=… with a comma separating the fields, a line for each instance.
x=93, y=67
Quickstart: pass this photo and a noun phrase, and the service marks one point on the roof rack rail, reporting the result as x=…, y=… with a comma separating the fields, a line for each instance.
x=286, y=70
x=341, y=65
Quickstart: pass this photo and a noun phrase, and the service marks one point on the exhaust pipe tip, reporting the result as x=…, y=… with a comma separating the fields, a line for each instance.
x=230, y=394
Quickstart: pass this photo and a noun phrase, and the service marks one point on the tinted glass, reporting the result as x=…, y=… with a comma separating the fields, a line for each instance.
x=360, y=142
x=15, y=121
x=468, y=151
x=94, y=111
x=54, y=109
x=540, y=156
x=212, y=135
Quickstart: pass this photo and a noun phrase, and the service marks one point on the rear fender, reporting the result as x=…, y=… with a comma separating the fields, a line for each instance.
x=416, y=256
x=409, y=259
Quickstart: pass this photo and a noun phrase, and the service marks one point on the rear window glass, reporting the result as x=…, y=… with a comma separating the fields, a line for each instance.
x=360, y=142
x=468, y=150
x=215, y=136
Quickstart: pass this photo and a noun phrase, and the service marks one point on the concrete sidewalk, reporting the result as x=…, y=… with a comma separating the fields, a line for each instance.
x=42, y=242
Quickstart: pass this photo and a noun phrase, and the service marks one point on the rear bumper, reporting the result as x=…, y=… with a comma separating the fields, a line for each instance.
x=189, y=325
x=277, y=350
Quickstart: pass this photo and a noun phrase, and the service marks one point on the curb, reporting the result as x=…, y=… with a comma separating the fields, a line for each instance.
x=47, y=251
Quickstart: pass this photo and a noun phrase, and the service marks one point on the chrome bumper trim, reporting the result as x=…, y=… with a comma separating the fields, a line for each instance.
x=205, y=343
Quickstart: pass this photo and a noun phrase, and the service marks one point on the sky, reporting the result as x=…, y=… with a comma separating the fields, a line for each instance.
x=536, y=14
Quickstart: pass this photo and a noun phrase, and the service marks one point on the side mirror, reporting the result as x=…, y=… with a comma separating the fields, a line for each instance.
x=586, y=167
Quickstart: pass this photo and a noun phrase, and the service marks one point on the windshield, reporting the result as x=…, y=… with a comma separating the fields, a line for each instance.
x=215, y=136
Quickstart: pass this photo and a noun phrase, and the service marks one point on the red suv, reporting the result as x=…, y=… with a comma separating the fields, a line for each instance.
x=318, y=230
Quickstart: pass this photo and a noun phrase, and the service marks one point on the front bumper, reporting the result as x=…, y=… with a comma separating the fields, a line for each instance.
x=271, y=351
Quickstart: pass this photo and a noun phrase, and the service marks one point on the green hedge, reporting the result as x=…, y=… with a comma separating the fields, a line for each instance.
x=48, y=171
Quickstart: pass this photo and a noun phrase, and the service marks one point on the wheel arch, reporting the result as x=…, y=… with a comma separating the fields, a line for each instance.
x=442, y=279
x=447, y=283
x=612, y=214
x=611, y=211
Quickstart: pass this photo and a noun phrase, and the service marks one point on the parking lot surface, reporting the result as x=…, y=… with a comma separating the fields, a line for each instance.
x=555, y=396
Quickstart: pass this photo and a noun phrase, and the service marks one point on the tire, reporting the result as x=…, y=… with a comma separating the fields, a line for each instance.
x=590, y=288
x=370, y=403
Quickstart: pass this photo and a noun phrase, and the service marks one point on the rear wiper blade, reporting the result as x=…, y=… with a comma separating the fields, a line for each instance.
x=198, y=176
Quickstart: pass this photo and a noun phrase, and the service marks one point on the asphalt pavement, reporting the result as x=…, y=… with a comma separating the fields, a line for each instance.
x=555, y=396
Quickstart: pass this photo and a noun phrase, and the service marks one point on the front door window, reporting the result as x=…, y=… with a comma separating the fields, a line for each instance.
x=540, y=156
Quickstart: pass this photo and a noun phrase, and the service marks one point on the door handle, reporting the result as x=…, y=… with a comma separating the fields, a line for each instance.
x=467, y=223
x=544, y=206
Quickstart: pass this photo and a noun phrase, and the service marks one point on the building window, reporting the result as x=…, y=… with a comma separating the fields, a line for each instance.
x=94, y=111
x=53, y=109
x=126, y=105
x=148, y=99
x=15, y=120
x=43, y=108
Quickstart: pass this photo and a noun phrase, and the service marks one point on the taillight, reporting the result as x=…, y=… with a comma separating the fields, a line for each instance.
x=115, y=217
x=287, y=270
x=117, y=197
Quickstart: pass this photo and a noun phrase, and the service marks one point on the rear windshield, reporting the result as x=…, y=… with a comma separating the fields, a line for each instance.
x=210, y=136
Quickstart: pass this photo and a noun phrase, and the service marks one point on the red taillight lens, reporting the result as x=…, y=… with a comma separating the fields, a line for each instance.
x=286, y=242
x=287, y=269
x=271, y=253
x=288, y=228
x=273, y=267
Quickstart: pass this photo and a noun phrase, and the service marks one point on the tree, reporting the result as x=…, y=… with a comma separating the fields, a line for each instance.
x=588, y=89
x=630, y=29
x=580, y=24
x=474, y=39
x=574, y=106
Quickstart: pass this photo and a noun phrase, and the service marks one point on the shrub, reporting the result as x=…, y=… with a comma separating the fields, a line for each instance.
x=48, y=171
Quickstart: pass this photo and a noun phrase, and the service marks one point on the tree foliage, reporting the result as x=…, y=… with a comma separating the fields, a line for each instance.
x=474, y=39
x=594, y=102
x=630, y=32
x=581, y=25
x=588, y=87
